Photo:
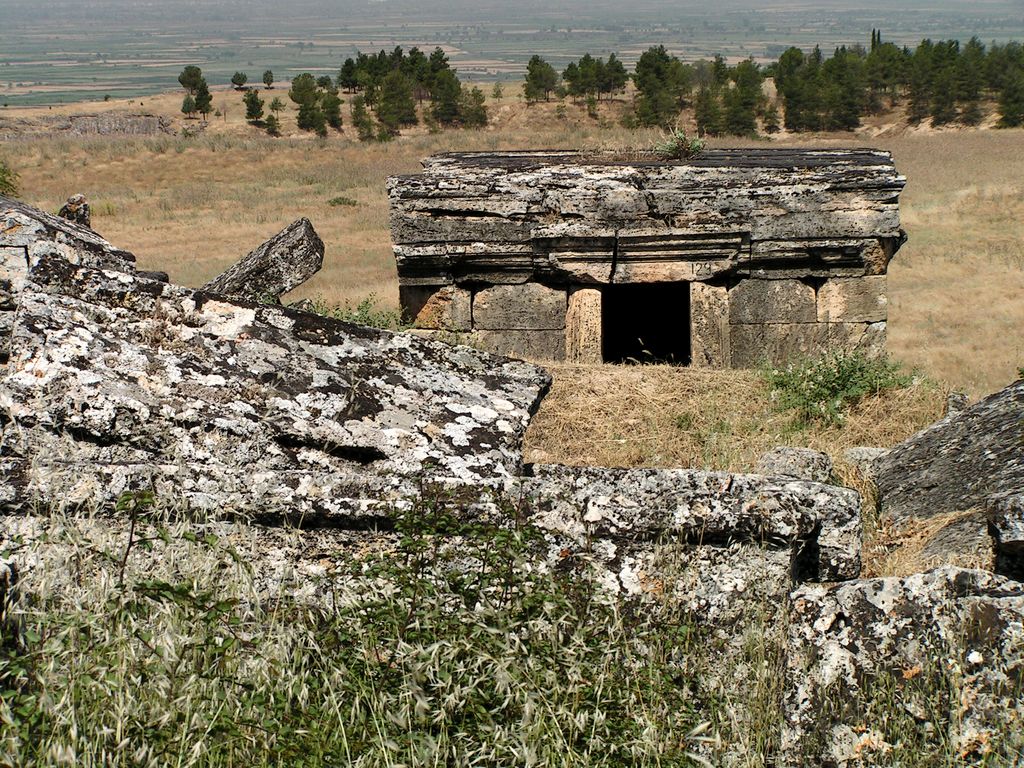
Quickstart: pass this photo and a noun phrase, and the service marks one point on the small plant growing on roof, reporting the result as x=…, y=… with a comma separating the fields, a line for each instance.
x=676, y=145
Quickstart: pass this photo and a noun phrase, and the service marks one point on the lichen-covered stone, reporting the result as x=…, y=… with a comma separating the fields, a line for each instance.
x=957, y=463
x=280, y=265
x=117, y=382
x=930, y=662
x=797, y=463
x=634, y=507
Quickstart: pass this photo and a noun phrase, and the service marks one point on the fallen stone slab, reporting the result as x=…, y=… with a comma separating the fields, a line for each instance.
x=819, y=525
x=957, y=463
x=280, y=265
x=117, y=382
x=928, y=668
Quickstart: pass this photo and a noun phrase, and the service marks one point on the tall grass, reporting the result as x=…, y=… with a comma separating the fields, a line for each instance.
x=448, y=644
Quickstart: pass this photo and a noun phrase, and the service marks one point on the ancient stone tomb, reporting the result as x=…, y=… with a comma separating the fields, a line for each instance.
x=726, y=260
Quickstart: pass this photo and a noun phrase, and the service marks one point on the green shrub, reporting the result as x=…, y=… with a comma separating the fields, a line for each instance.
x=342, y=200
x=676, y=145
x=363, y=313
x=8, y=180
x=819, y=389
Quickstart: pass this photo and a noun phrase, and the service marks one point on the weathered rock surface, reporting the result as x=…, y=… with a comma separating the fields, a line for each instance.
x=957, y=463
x=116, y=382
x=819, y=525
x=281, y=264
x=884, y=670
x=797, y=463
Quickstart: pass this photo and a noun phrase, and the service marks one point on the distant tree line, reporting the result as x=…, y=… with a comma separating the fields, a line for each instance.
x=387, y=87
x=944, y=82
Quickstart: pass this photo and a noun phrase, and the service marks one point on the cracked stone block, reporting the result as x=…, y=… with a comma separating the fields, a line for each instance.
x=771, y=301
x=583, y=334
x=709, y=325
x=752, y=345
x=447, y=308
x=529, y=345
x=528, y=307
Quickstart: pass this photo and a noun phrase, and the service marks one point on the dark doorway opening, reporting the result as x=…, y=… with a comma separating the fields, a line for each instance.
x=646, y=323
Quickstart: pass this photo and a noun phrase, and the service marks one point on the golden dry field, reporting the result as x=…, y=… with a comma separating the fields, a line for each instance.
x=191, y=206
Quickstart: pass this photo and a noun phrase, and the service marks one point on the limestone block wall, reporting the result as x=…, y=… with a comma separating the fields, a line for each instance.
x=775, y=253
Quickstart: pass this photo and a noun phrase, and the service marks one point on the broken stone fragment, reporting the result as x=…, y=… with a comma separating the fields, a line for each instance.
x=797, y=463
x=280, y=265
x=957, y=463
x=865, y=458
x=819, y=525
x=932, y=659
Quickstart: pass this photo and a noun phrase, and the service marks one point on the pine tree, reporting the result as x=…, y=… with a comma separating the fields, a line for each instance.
x=268, y=79
x=330, y=103
x=253, y=106
x=445, y=98
x=1011, y=100
x=272, y=125
x=541, y=80
x=708, y=112
x=311, y=118
x=204, y=99
x=239, y=79
x=770, y=119
x=366, y=130
x=396, y=106
x=472, y=108
x=190, y=78
x=188, y=106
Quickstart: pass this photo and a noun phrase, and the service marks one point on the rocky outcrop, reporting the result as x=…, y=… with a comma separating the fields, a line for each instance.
x=929, y=668
x=1006, y=521
x=281, y=264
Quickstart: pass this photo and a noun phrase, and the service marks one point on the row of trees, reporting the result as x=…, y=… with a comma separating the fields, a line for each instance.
x=943, y=82
x=386, y=88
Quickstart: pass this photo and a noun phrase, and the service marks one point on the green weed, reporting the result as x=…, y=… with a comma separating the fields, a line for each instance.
x=820, y=389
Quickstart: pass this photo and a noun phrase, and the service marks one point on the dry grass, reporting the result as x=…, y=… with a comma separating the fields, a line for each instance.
x=665, y=416
x=192, y=207
x=903, y=551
